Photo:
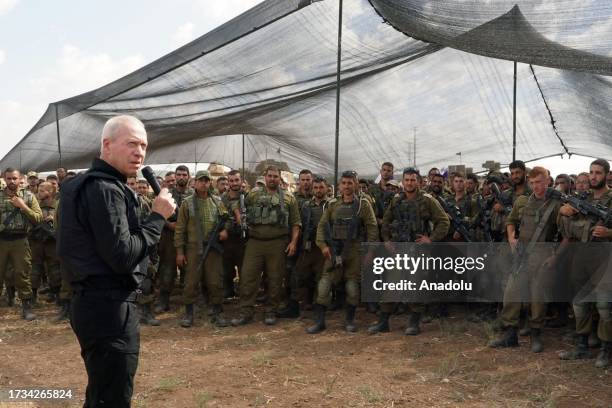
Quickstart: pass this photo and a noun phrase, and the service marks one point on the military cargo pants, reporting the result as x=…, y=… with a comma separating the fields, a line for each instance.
x=589, y=267
x=167, y=262
x=531, y=286
x=233, y=255
x=307, y=272
x=45, y=260
x=267, y=256
x=210, y=276
x=17, y=252
x=350, y=271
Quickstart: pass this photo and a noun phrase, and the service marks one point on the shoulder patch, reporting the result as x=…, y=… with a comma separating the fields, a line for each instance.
x=427, y=195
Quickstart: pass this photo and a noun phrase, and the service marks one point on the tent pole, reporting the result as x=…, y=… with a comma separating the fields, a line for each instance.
x=59, y=144
x=243, y=170
x=339, y=66
x=514, y=118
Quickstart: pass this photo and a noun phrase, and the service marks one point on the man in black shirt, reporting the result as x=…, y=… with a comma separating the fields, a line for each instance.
x=102, y=245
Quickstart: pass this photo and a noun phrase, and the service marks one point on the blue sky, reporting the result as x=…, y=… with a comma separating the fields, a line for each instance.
x=52, y=50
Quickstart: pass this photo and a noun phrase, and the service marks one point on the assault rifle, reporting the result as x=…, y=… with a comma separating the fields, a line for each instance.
x=213, y=240
x=243, y=217
x=456, y=218
x=598, y=211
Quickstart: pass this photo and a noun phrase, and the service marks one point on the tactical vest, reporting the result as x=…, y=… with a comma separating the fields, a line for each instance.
x=345, y=221
x=12, y=219
x=410, y=218
x=46, y=229
x=580, y=227
x=268, y=209
x=311, y=214
x=532, y=214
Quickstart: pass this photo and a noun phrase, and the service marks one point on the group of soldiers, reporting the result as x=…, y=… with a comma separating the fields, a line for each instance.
x=302, y=250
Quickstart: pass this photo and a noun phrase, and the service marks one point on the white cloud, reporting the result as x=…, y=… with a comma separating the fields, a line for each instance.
x=7, y=5
x=2, y=57
x=77, y=71
x=184, y=34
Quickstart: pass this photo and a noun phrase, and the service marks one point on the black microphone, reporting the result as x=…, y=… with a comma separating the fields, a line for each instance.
x=148, y=174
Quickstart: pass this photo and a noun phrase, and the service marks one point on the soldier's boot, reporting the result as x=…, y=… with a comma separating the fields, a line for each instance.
x=270, y=318
x=64, y=313
x=350, y=325
x=581, y=351
x=26, y=310
x=34, y=299
x=218, y=319
x=319, y=323
x=603, y=358
x=242, y=320
x=147, y=317
x=53, y=295
x=163, y=304
x=508, y=339
x=382, y=325
x=414, y=327
x=188, y=319
x=594, y=341
x=372, y=307
x=10, y=295
x=292, y=310
x=536, y=341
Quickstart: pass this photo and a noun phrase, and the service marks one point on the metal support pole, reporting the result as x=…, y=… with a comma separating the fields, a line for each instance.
x=514, y=118
x=338, y=69
x=243, y=169
x=59, y=143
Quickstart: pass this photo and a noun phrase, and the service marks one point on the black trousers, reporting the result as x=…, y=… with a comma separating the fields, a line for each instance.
x=108, y=333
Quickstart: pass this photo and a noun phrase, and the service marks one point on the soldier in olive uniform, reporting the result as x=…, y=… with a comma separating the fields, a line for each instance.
x=19, y=210
x=504, y=204
x=587, y=264
x=303, y=194
x=310, y=260
x=273, y=215
x=198, y=217
x=537, y=217
x=42, y=245
x=347, y=221
x=233, y=248
x=408, y=219
x=465, y=204
x=377, y=191
x=149, y=263
x=167, y=251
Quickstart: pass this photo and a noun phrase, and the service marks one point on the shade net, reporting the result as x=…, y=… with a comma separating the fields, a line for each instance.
x=438, y=75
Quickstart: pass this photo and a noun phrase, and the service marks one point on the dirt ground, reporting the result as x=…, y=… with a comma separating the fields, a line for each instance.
x=447, y=365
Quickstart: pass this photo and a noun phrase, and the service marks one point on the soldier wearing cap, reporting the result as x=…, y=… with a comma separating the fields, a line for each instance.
x=32, y=182
x=274, y=229
x=198, y=218
x=19, y=211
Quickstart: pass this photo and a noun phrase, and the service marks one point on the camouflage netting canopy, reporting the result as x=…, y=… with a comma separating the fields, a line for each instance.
x=438, y=72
